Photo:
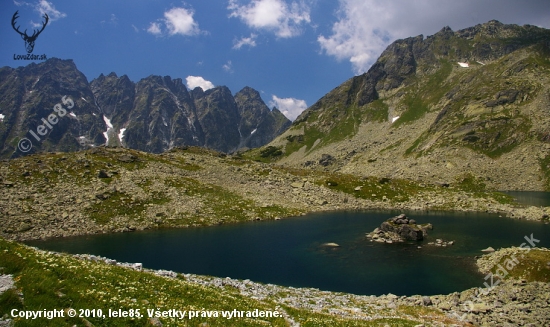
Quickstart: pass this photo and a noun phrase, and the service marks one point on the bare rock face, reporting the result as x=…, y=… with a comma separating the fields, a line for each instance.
x=258, y=125
x=399, y=229
x=156, y=114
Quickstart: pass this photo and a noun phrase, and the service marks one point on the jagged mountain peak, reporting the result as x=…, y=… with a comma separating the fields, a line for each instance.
x=53, y=63
x=491, y=29
x=249, y=92
x=155, y=114
x=417, y=56
x=258, y=122
x=197, y=92
x=161, y=80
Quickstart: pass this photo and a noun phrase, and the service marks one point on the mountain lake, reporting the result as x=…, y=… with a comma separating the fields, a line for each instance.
x=290, y=251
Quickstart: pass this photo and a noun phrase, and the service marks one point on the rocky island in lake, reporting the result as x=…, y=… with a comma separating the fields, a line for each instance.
x=399, y=229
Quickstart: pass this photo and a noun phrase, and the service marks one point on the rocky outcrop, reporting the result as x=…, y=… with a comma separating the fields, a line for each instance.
x=494, y=258
x=326, y=160
x=399, y=229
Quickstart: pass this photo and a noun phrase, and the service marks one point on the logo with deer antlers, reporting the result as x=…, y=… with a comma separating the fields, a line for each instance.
x=29, y=40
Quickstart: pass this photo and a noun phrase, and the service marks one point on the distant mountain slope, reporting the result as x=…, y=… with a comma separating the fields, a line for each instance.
x=154, y=114
x=258, y=124
x=454, y=104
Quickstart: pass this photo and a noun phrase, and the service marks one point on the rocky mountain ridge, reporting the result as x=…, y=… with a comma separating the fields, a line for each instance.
x=437, y=109
x=154, y=115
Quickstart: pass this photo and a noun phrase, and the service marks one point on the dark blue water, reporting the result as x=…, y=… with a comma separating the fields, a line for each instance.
x=539, y=199
x=289, y=252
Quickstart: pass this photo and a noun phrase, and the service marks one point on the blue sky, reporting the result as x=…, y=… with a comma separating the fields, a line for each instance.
x=292, y=51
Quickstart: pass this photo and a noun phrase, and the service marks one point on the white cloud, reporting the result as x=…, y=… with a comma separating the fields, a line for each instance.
x=365, y=27
x=290, y=107
x=43, y=7
x=177, y=21
x=198, y=81
x=228, y=67
x=357, y=35
x=154, y=29
x=180, y=21
x=274, y=15
x=249, y=41
x=135, y=28
x=113, y=20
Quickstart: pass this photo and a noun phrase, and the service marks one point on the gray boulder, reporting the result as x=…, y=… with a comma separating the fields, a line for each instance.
x=400, y=229
x=326, y=160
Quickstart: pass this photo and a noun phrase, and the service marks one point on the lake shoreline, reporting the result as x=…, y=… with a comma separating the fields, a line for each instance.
x=531, y=213
x=512, y=301
x=271, y=251
x=112, y=190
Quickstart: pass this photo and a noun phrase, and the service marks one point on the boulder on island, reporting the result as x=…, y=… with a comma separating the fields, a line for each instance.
x=399, y=229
